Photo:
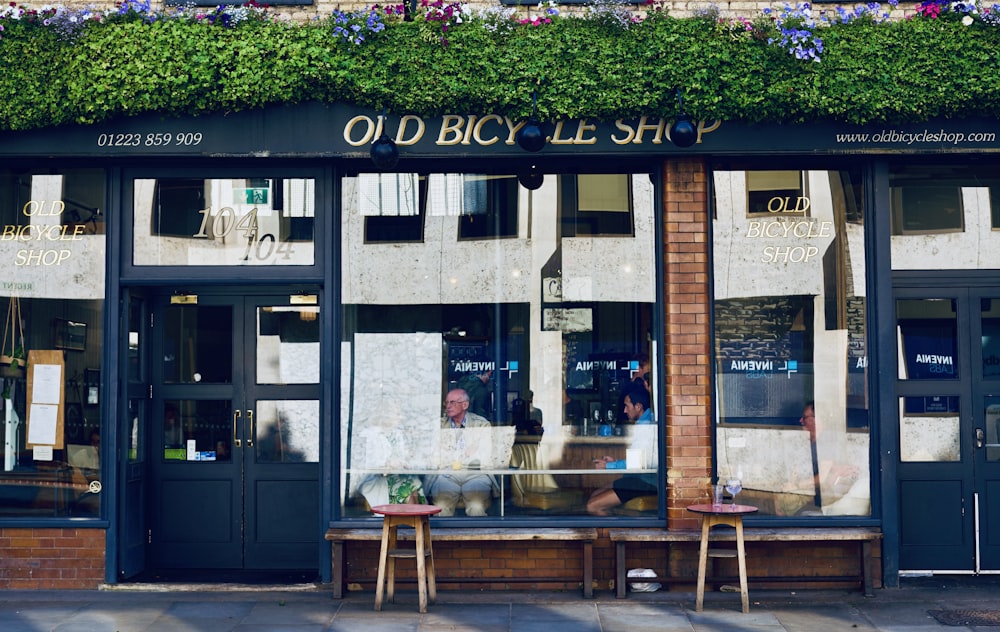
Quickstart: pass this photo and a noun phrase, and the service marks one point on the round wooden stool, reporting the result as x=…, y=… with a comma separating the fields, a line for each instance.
x=416, y=517
x=723, y=514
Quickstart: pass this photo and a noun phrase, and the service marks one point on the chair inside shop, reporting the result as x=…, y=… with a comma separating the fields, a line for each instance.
x=537, y=491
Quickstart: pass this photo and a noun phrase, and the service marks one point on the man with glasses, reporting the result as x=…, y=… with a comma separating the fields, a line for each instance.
x=461, y=451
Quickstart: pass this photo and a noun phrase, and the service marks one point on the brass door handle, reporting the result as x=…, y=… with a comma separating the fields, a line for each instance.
x=236, y=435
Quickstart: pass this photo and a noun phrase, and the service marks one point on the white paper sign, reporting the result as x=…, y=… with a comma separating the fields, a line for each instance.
x=46, y=380
x=42, y=426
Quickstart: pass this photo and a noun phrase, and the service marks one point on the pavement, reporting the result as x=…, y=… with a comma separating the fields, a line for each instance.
x=310, y=608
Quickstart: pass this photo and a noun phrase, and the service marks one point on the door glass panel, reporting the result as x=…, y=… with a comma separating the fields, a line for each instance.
x=198, y=344
x=197, y=430
x=992, y=417
x=990, y=313
x=929, y=429
x=135, y=430
x=287, y=431
x=288, y=344
x=928, y=339
x=134, y=341
x=224, y=221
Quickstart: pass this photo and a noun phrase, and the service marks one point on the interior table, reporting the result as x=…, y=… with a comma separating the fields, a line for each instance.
x=417, y=517
x=722, y=514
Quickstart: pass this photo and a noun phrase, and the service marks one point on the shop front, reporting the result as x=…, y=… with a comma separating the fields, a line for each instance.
x=228, y=334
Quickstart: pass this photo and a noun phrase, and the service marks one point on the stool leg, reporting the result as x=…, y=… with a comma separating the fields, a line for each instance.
x=702, y=563
x=431, y=581
x=382, y=560
x=421, y=565
x=741, y=554
x=393, y=543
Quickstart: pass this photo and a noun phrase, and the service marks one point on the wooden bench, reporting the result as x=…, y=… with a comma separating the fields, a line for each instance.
x=586, y=536
x=864, y=535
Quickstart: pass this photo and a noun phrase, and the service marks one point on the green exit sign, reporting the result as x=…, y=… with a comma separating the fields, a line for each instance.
x=256, y=195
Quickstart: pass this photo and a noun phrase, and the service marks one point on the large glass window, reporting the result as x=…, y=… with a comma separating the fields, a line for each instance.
x=52, y=239
x=494, y=366
x=224, y=222
x=790, y=344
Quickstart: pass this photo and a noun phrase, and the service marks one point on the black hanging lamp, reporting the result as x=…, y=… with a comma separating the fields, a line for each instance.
x=384, y=152
x=531, y=179
x=531, y=137
x=683, y=132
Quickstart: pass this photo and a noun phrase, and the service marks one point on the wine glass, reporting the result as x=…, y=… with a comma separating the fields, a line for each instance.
x=734, y=486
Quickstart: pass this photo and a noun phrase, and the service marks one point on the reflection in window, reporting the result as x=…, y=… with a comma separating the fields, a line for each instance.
x=944, y=216
x=288, y=344
x=596, y=205
x=928, y=339
x=770, y=192
x=790, y=341
x=929, y=429
x=459, y=319
x=923, y=208
x=223, y=222
x=990, y=320
x=287, y=431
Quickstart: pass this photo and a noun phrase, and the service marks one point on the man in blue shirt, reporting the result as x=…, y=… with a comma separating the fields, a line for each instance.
x=630, y=486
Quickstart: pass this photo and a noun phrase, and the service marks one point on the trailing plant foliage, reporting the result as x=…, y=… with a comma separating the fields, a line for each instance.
x=791, y=64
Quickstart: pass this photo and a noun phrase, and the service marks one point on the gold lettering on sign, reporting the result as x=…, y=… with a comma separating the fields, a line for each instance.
x=478, y=133
x=625, y=127
x=42, y=233
x=403, y=124
x=644, y=127
x=349, y=131
x=788, y=229
x=451, y=130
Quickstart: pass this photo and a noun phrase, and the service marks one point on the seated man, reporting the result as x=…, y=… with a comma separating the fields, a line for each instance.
x=472, y=488
x=630, y=486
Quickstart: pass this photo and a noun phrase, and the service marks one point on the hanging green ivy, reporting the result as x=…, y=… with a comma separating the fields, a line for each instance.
x=64, y=66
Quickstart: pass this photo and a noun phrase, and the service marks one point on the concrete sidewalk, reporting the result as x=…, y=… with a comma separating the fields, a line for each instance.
x=308, y=608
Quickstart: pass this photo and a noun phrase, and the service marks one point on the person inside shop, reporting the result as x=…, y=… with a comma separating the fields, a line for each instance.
x=629, y=486
x=527, y=418
x=461, y=451
x=837, y=476
x=479, y=393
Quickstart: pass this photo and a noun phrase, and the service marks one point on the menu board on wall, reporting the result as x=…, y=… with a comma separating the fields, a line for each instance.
x=46, y=393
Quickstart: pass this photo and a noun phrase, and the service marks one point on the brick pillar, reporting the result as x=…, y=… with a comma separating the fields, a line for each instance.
x=688, y=337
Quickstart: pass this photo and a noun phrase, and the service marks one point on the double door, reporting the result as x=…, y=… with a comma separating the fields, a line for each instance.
x=231, y=461
x=948, y=396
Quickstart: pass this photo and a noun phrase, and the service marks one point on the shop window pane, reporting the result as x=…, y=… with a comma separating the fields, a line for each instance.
x=944, y=216
x=223, y=222
x=790, y=340
x=455, y=327
x=53, y=306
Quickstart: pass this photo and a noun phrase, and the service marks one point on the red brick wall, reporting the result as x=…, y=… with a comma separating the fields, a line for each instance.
x=51, y=559
x=687, y=374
